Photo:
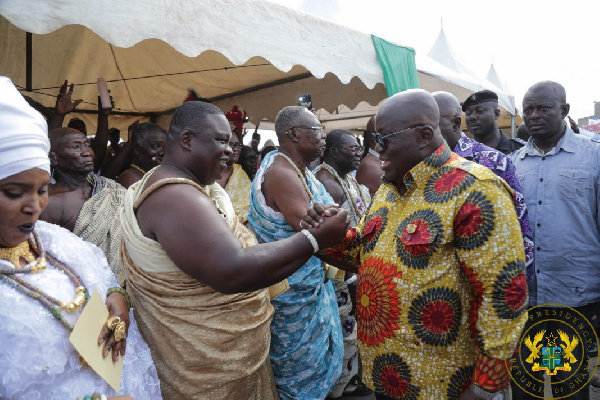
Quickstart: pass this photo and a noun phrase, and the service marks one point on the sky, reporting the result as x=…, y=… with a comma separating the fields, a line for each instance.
x=527, y=40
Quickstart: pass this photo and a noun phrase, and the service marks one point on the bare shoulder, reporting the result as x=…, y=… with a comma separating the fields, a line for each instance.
x=281, y=176
x=282, y=187
x=53, y=211
x=128, y=178
x=173, y=205
x=63, y=207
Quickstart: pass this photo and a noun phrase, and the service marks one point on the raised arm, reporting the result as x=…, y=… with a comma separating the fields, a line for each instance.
x=100, y=142
x=64, y=105
x=113, y=167
x=194, y=227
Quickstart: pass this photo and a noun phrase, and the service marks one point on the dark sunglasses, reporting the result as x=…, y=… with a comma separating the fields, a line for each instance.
x=380, y=139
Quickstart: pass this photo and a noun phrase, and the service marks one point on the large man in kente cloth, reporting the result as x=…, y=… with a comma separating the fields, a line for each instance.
x=196, y=277
x=84, y=203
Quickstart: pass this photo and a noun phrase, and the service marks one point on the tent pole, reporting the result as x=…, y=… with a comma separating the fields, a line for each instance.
x=28, y=60
x=513, y=124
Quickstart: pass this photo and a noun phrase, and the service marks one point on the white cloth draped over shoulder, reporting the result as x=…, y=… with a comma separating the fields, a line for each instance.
x=37, y=361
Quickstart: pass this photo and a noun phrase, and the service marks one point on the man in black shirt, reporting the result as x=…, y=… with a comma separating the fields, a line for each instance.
x=481, y=116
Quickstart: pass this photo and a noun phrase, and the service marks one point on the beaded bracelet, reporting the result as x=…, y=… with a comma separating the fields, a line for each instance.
x=95, y=396
x=122, y=291
x=311, y=239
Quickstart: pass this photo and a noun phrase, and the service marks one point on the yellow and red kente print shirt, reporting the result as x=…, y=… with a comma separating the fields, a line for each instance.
x=441, y=289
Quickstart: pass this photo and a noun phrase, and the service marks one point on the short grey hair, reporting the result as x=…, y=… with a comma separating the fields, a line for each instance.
x=287, y=118
x=140, y=131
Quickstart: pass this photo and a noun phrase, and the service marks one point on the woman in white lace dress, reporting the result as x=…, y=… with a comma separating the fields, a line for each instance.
x=44, y=267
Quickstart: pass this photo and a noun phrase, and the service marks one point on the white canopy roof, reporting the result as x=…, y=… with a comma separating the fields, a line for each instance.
x=253, y=53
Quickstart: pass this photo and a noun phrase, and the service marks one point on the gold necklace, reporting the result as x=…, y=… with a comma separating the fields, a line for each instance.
x=138, y=169
x=14, y=254
x=543, y=152
x=300, y=175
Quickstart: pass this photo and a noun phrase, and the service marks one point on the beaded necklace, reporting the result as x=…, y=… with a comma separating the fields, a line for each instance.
x=357, y=201
x=138, y=169
x=300, y=175
x=55, y=306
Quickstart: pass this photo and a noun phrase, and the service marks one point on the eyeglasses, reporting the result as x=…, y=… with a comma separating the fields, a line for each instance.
x=317, y=129
x=237, y=145
x=379, y=138
x=353, y=149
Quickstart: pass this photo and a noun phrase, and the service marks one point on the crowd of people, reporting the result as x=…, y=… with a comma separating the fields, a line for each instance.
x=321, y=268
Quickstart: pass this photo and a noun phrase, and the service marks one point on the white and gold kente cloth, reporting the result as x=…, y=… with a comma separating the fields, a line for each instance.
x=205, y=344
x=99, y=222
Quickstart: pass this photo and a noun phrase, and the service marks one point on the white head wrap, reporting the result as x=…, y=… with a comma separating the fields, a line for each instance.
x=24, y=140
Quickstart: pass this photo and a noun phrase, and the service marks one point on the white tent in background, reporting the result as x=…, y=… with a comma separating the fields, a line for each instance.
x=254, y=54
x=442, y=52
x=493, y=77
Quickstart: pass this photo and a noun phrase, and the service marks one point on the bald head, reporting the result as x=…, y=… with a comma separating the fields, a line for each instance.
x=447, y=103
x=412, y=107
x=554, y=89
x=450, y=117
x=408, y=123
x=59, y=135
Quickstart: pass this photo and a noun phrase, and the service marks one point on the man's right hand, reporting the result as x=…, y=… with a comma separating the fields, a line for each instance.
x=315, y=215
x=64, y=104
x=332, y=230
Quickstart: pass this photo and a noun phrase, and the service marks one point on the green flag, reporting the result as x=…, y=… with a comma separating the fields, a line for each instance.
x=398, y=65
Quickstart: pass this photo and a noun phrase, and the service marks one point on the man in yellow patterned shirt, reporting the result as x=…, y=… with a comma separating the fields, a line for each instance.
x=441, y=289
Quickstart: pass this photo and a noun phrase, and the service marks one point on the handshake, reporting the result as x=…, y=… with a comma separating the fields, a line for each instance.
x=327, y=223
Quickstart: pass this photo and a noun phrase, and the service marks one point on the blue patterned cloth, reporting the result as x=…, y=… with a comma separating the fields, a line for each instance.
x=306, y=337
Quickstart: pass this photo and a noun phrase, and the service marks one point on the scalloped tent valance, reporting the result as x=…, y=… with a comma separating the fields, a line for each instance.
x=252, y=53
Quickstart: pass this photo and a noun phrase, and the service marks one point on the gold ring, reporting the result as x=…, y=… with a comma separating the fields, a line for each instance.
x=120, y=331
x=112, y=322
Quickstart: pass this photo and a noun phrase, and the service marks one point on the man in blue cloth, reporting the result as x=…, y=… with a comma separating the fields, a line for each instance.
x=306, y=344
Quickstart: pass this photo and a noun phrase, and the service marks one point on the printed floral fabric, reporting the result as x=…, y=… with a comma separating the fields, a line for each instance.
x=501, y=165
x=441, y=290
x=306, y=335
x=238, y=189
